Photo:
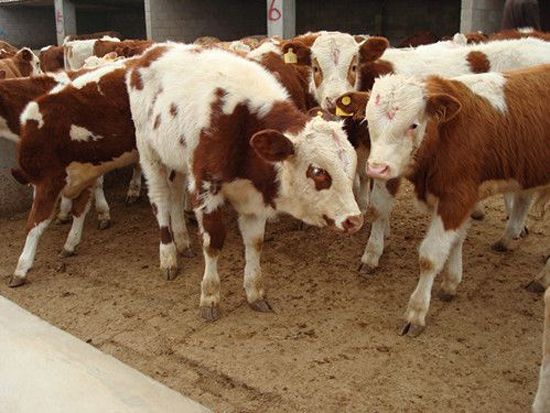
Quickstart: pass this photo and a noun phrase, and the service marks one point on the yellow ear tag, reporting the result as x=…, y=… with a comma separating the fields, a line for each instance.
x=290, y=56
x=341, y=113
x=346, y=100
x=319, y=114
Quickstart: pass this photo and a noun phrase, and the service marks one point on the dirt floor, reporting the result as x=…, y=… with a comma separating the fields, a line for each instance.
x=330, y=346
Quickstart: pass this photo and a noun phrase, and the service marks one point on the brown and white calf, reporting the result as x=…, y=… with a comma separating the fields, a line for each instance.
x=51, y=59
x=376, y=60
x=237, y=136
x=125, y=48
x=15, y=94
x=23, y=63
x=458, y=141
x=542, y=398
x=75, y=52
x=67, y=154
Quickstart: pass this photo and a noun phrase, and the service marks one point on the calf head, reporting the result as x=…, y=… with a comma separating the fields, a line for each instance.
x=315, y=169
x=371, y=66
x=27, y=62
x=333, y=60
x=398, y=114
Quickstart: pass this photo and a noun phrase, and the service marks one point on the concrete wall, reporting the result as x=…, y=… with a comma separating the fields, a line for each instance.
x=185, y=20
x=14, y=197
x=395, y=19
x=28, y=26
x=484, y=15
x=128, y=21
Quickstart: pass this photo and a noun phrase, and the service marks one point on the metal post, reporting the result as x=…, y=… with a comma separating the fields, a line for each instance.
x=65, y=19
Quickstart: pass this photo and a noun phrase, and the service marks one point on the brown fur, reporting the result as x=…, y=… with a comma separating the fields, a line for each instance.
x=225, y=154
x=206, y=41
x=17, y=66
x=478, y=61
x=515, y=34
x=97, y=35
x=126, y=48
x=419, y=38
x=294, y=78
x=15, y=94
x=479, y=144
x=476, y=37
x=145, y=61
x=371, y=65
x=213, y=225
x=165, y=235
x=51, y=60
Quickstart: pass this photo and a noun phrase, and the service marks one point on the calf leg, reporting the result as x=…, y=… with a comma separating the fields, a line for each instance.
x=159, y=196
x=542, y=282
x=64, y=215
x=177, y=184
x=433, y=254
x=453, y=269
x=542, y=398
x=212, y=231
x=252, y=230
x=43, y=206
x=81, y=207
x=380, y=209
x=519, y=205
x=134, y=189
x=101, y=205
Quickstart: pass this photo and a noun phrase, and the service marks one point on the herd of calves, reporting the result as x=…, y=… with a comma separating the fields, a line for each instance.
x=322, y=126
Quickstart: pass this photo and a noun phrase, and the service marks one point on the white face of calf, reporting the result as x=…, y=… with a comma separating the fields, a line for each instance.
x=28, y=55
x=334, y=67
x=398, y=112
x=315, y=169
x=333, y=61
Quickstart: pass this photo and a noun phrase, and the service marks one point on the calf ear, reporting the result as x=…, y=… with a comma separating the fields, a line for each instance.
x=272, y=146
x=2, y=74
x=295, y=51
x=360, y=38
x=443, y=107
x=352, y=104
x=373, y=48
x=111, y=56
x=26, y=54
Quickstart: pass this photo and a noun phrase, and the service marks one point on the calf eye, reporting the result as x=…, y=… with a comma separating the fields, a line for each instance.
x=321, y=178
x=354, y=68
x=315, y=69
x=413, y=126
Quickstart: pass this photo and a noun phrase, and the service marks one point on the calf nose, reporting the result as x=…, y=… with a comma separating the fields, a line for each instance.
x=353, y=224
x=378, y=170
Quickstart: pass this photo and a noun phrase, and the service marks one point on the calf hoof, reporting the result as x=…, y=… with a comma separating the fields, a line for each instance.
x=188, y=253
x=478, y=215
x=445, y=296
x=131, y=199
x=210, y=313
x=170, y=273
x=62, y=220
x=499, y=246
x=66, y=253
x=103, y=224
x=366, y=270
x=535, y=286
x=16, y=281
x=411, y=330
x=261, y=305
x=524, y=232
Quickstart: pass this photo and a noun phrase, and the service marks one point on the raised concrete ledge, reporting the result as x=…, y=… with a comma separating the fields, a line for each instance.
x=44, y=369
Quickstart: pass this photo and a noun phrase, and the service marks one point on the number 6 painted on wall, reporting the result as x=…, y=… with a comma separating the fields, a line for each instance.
x=273, y=13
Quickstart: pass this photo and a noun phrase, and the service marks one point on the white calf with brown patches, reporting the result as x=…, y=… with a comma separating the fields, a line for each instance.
x=76, y=52
x=377, y=59
x=240, y=140
x=458, y=141
x=542, y=398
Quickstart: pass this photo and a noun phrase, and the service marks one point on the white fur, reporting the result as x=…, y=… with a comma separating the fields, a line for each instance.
x=81, y=134
x=26, y=258
x=76, y=51
x=502, y=55
x=32, y=112
x=265, y=48
x=488, y=85
x=334, y=52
